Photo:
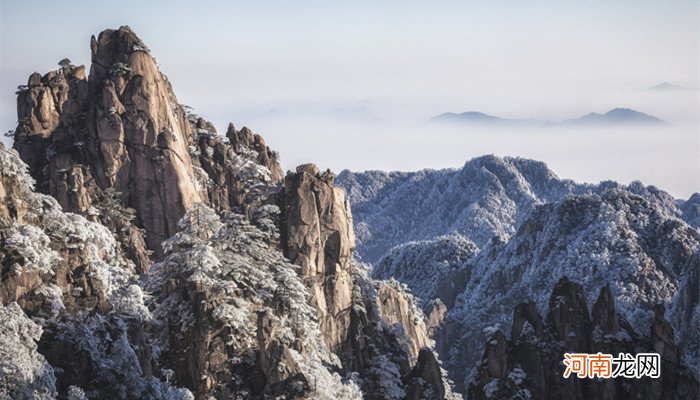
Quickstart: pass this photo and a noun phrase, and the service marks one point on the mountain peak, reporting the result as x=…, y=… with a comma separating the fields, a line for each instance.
x=665, y=86
x=469, y=116
x=616, y=116
x=124, y=130
x=258, y=293
x=477, y=118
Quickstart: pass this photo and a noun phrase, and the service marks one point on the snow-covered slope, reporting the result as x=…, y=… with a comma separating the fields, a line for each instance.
x=485, y=198
x=691, y=210
x=618, y=238
x=251, y=314
x=531, y=229
x=71, y=276
x=429, y=267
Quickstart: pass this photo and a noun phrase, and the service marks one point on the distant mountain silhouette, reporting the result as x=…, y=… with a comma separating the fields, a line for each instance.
x=616, y=116
x=479, y=118
x=665, y=86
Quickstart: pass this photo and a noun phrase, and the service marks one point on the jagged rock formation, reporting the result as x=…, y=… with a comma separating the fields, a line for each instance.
x=233, y=317
x=425, y=379
x=122, y=129
x=239, y=171
x=529, y=364
x=384, y=353
x=245, y=138
x=256, y=294
x=319, y=238
x=372, y=325
x=51, y=260
x=397, y=308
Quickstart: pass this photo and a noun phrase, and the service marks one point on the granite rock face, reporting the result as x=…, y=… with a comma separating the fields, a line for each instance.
x=119, y=128
x=529, y=364
x=319, y=238
x=122, y=129
x=375, y=327
x=397, y=309
x=245, y=138
x=425, y=381
x=255, y=293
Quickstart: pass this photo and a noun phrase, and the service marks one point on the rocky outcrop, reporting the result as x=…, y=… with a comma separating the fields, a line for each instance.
x=373, y=326
x=239, y=172
x=529, y=364
x=318, y=237
x=50, y=260
x=233, y=318
x=435, y=316
x=386, y=354
x=72, y=277
x=425, y=381
x=223, y=313
x=246, y=139
x=140, y=132
x=397, y=309
x=121, y=129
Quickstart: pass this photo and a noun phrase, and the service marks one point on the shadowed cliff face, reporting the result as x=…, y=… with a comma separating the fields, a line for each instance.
x=529, y=365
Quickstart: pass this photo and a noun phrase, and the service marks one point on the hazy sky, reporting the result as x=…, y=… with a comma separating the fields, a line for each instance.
x=349, y=84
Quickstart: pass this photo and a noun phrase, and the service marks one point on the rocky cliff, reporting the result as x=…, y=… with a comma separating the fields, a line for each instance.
x=319, y=238
x=254, y=293
x=121, y=128
x=529, y=364
x=72, y=278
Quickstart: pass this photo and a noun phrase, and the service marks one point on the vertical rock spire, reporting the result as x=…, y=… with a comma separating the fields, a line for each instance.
x=121, y=128
x=320, y=239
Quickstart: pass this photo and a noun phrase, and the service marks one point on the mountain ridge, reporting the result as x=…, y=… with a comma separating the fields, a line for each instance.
x=534, y=228
x=614, y=117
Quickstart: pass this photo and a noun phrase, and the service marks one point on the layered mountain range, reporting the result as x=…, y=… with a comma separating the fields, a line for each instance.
x=474, y=243
x=145, y=256
x=612, y=118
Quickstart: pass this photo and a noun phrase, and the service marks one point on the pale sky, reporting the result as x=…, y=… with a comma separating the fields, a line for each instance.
x=349, y=84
